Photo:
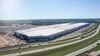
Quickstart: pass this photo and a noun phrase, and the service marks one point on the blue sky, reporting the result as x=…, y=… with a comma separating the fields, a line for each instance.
x=48, y=9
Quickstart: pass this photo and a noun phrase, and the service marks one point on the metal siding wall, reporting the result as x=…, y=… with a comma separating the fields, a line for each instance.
x=39, y=39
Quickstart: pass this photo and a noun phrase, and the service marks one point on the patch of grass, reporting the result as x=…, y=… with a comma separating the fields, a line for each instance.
x=67, y=49
x=89, y=51
x=32, y=48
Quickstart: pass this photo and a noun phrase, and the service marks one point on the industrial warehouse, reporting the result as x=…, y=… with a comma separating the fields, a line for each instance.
x=46, y=33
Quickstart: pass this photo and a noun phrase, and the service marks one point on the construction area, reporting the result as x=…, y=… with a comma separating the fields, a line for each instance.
x=55, y=35
x=6, y=35
x=29, y=33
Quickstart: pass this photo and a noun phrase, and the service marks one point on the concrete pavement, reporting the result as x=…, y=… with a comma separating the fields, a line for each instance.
x=83, y=49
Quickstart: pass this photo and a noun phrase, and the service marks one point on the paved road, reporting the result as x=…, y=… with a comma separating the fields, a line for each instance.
x=84, y=49
x=95, y=53
x=50, y=48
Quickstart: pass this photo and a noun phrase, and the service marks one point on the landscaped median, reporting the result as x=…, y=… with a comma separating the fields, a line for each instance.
x=34, y=48
x=89, y=51
x=67, y=49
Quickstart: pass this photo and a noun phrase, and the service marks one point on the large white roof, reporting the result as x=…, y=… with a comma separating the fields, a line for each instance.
x=49, y=30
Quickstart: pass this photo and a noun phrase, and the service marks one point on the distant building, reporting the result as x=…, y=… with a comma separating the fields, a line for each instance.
x=45, y=33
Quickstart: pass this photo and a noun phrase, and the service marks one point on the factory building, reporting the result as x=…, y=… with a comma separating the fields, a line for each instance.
x=46, y=33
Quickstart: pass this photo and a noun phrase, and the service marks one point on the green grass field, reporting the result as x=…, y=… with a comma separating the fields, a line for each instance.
x=89, y=51
x=33, y=48
x=67, y=49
